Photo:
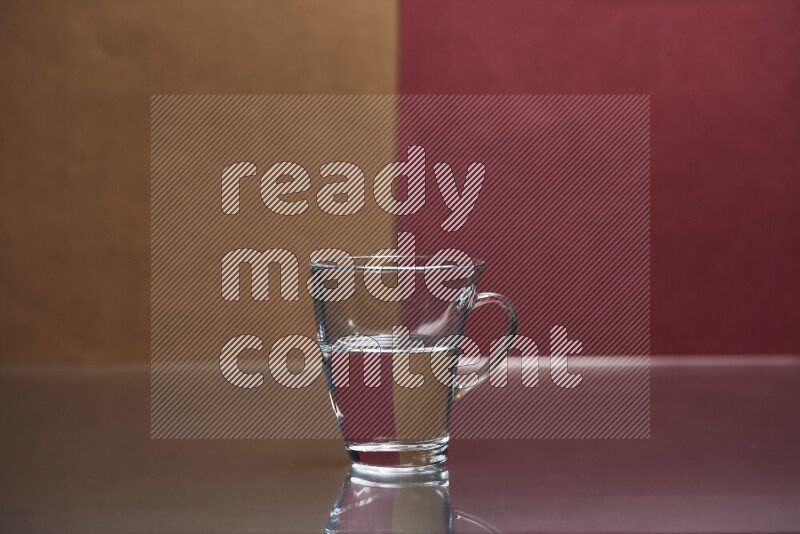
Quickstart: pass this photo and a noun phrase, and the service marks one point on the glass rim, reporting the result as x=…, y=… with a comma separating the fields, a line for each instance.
x=329, y=263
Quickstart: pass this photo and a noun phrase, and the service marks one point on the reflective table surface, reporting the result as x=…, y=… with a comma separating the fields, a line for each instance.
x=724, y=456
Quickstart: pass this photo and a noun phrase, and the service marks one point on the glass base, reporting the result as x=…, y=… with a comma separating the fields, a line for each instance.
x=398, y=456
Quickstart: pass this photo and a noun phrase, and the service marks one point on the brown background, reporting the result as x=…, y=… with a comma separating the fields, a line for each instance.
x=194, y=138
x=77, y=81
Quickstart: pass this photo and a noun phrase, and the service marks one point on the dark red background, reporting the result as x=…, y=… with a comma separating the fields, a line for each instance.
x=725, y=133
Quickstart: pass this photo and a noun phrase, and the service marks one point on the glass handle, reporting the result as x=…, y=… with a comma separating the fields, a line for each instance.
x=511, y=333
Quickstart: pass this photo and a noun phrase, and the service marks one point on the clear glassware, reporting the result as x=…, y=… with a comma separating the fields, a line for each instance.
x=375, y=502
x=390, y=330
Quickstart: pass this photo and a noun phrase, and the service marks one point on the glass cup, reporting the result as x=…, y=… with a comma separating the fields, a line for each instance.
x=372, y=501
x=390, y=330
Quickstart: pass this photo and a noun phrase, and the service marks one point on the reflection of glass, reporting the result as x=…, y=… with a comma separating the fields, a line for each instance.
x=376, y=502
x=391, y=349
